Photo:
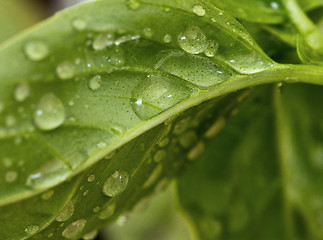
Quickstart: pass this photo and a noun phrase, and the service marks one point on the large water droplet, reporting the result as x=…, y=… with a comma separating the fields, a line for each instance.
x=108, y=211
x=32, y=229
x=74, y=229
x=95, y=82
x=199, y=10
x=102, y=41
x=47, y=175
x=79, y=24
x=192, y=40
x=22, y=91
x=212, y=48
x=49, y=113
x=66, y=213
x=36, y=50
x=65, y=70
x=156, y=94
x=11, y=176
x=116, y=183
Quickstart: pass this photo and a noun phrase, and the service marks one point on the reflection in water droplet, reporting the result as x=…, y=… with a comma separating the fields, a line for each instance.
x=22, y=91
x=36, y=50
x=199, y=10
x=32, y=229
x=108, y=211
x=154, y=176
x=196, y=151
x=47, y=175
x=192, y=40
x=95, y=82
x=116, y=183
x=156, y=94
x=65, y=70
x=212, y=48
x=49, y=113
x=66, y=213
x=79, y=24
x=11, y=176
x=74, y=229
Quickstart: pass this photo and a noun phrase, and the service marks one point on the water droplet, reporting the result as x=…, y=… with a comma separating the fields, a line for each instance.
x=91, y=178
x=117, y=58
x=22, y=91
x=116, y=183
x=49, y=113
x=10, y=121
x=212, y=48
x=188, y=139
x=47, y=195
x=95, y=82
x=193, y=40
x=65, y=70
x=36, y=50
x=102, y=41
x=196, y=151
x=167, y=38
x=49, y=174
x=160, y=155
x=96, y=209
x=7, y=162
x=147, y=32
x=66, y=213
x=71, y=103
x=123, y=220
x=50, y=235
x=85, y=192
x=91, y=235
x=126, y=38
x=74, y=229
x=133, y=4
x=108, y=211
x=274, y=5
x=156, y=94
x=11, y=176
x=32, y=229
x=154, y=176
x=215, y=128
x=199, y=10
x=79, y=24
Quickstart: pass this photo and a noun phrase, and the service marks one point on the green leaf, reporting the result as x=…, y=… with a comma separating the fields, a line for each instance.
x=266, y=184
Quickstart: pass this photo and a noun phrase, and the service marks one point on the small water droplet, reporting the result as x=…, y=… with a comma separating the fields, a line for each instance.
x=215, y=128
x=91, y=235
x=117, y=58
x=47, y=195
x=133, y=4
x=123, y=220
x=32, y=229
x=96, y=209
x=116, y=183
x=274, y=5
x=102, y=41
x=10, y=121
x=154, y=176
x=147, y=32
x=188, y=139
x=85, y=193
x=108, y=211
x=49, y=113
x=66, y=213
x=167, y=38
x=212, y=48
x=91, y=178
x=160, y=155
x=196, y=151
x=199, y=10
x=22, y=91
x=79, y=24
x=74, y=229
x=95, y=82
x=7, y=162
x=65, y=70
x=36, y=50
x=11, y=176
x=193, y=40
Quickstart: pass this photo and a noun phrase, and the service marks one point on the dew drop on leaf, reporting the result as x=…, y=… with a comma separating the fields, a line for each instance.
x=196, y=151
x=11, y=176
x=193, y=40
x=49, y=113
x=147, y=32
x=90, y=236
x=159, y=155
x=167, y=38
x=21, y=92
x=116, y=183
x=74, y=229
x=100, y=42
x=212, y=48
x=32, y=229
x=188, y=139
x=117, y=58
x=66, y=213
x=199, y=10
x=65, y=70
x=79, y=24
x=133, y=4
x=36, y=50
x=215, y=128
x=95, y=82
x=96, y=209
x=91, y=178
x=108, y=211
